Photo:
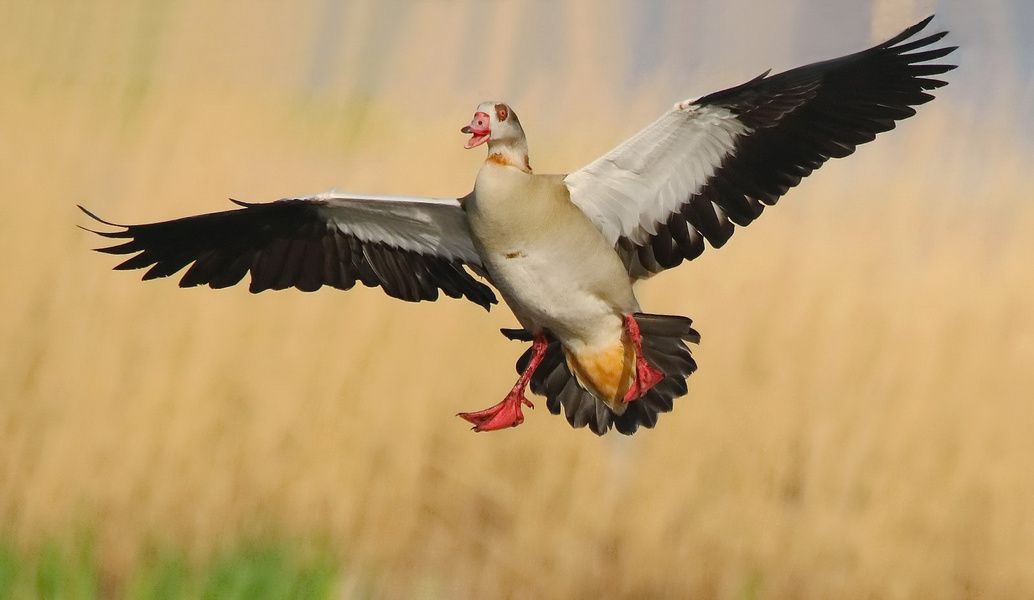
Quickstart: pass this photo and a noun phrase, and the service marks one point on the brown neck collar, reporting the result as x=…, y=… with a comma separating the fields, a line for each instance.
x=507, y=160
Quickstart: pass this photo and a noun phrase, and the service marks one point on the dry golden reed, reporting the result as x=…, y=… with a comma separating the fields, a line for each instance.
x=860, y=425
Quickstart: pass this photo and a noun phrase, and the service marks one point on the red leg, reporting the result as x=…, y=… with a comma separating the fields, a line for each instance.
x=508, y=412
x=646, y=376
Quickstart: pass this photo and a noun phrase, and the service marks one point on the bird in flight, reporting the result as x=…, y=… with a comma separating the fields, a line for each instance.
x=564, y=251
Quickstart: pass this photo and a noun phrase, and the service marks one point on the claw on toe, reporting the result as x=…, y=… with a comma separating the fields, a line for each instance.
x=501, y=416
x=646, y=376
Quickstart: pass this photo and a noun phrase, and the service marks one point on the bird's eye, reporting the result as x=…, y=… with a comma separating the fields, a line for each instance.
x=500, y=112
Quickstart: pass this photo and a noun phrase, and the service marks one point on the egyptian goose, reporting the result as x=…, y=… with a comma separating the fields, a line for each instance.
x=564, y=250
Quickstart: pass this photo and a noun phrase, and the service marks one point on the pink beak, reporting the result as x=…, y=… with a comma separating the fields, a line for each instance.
x=479, y=128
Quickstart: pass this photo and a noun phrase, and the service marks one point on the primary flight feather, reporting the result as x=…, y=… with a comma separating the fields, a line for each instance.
x=564, y=250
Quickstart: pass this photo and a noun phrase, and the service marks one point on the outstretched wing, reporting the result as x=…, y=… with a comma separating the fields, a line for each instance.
x=717, y=161
x=410, y=247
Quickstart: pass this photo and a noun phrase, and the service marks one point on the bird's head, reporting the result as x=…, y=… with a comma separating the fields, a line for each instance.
x=493, y=122
x=496, y=123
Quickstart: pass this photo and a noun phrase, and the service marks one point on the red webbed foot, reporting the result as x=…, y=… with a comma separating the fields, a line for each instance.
x=508, y=412
x=646, y=376
x=501, y=416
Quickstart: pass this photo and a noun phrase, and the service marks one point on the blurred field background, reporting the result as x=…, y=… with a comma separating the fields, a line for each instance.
x=860, y=426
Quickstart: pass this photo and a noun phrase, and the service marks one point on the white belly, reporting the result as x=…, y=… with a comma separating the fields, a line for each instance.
x=546, y=290
x=550, y=263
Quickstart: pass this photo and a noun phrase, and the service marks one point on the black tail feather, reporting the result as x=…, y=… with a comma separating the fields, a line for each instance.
x=664, y=347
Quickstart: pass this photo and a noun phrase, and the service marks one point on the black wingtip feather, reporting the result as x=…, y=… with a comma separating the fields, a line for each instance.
x=139, y=261
x=98, y=219
x=928, y=55
x=124, y=248
x=907, y=33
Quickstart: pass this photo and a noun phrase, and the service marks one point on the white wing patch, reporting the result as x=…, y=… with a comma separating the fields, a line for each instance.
x=432, y=226
x=635, y=187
